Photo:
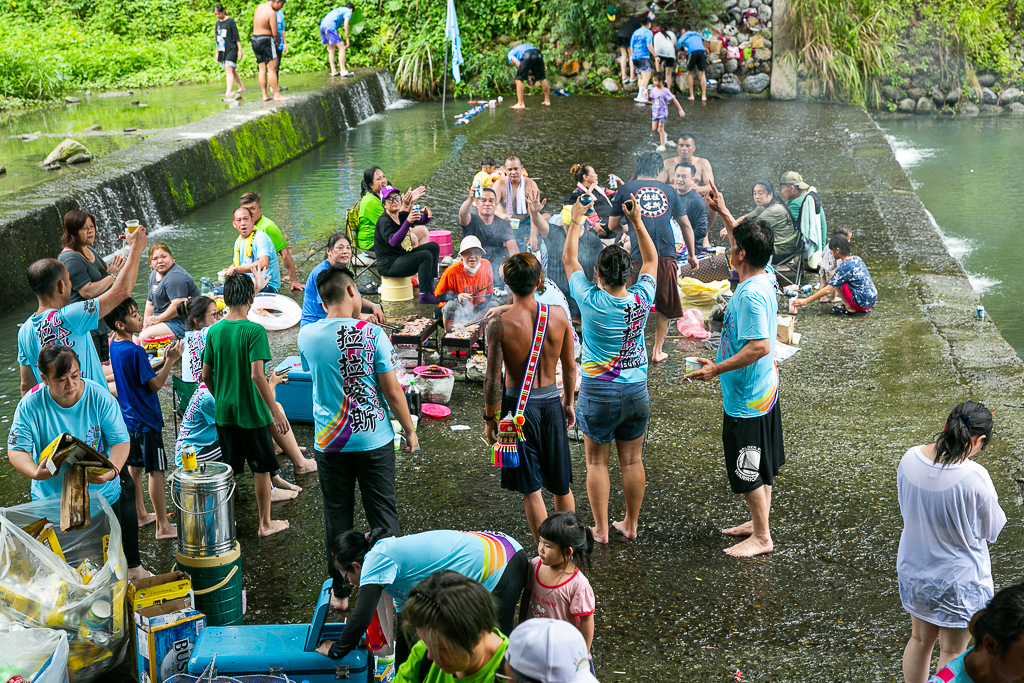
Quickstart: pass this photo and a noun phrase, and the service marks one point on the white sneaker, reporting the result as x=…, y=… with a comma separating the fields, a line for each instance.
x=641, y=98
x=670, y=143
x=661, y=148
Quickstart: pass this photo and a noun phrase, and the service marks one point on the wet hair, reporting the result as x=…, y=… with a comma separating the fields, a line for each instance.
x=492, y=191
x=74, y=221
x=840, y=242
x=687, y=136
x=451, y=609
x=241, y=208
x=755, y=237
x=249, y=198
x=843, y=230
x=193, y=310
x=522, y=272
x=646, y=21
x=1002, y=618
x=614, y=265
x=686, y=164
x=120, y=312
x=566, y=531
x=57, y=361
x=239, y=290
x=513, y=157
x=44, y=274
x=332, y=242
x=161, y=246
x=367, y=181
x=333, y=284
x=966, y=420
x=218, y=8
x=649, y=165
x=352, y=546
x=580, y=170
x=487, y=161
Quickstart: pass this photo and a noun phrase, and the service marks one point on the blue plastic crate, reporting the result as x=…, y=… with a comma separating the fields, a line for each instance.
x=297, y=395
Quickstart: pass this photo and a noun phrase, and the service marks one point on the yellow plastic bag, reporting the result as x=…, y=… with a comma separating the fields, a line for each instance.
x=696, y=294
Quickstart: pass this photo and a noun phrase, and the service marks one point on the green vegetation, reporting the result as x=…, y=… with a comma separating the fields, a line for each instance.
x=847, y=46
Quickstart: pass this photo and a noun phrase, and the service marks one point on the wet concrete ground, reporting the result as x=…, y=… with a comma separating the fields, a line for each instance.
x=670, y=605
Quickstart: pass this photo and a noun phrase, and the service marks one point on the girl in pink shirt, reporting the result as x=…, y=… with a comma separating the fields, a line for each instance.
x=557, y=587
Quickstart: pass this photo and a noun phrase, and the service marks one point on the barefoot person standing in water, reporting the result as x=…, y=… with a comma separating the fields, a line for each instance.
x=752, y=424
x=265, y=40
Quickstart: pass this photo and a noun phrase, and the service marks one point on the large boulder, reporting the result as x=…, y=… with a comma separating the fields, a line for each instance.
x=1008, y=95
x=731, y=65
x=988, y=97
x=986, y=80
x=757, y=83
x=729, y=4
x=906, y=106
x=953, y=96
x=729, y=85
x=916, y=93
x=764, y=13
x=1016, y=108
x=65, y=150
x=716, y=70
x=925, y=106
x=937, y=97
x=610, y=85
x=79, y=158
x=968, y=108
x=892, y=93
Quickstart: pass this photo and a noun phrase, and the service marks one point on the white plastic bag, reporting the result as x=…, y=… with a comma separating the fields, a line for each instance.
x=40, y=654
x=40, y=590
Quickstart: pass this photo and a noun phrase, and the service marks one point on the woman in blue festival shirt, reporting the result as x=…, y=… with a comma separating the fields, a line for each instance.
x=338, y=253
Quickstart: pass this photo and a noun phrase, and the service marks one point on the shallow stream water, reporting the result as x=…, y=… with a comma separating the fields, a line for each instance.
x=670, y=605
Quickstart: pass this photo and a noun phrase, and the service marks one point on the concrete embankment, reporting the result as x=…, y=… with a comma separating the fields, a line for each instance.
x=179, y=169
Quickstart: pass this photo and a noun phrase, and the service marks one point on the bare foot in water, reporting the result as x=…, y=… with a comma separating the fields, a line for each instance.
x=277, y=495
x=659, y=357
x=147, y=519
x=518, y=106
x=308, y=466
x=745, y=529
x=751, y=547
x=598, y=536
x=627, y=531
x=340, y=604
x=164, y=534
x=546, y=104
x=275, y=526
x=690, y=98
x=281, y=482
x=281, y=98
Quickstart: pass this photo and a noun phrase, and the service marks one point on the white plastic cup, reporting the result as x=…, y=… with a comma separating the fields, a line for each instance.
x=692, y=364
x=515, y=223
x=132, y=226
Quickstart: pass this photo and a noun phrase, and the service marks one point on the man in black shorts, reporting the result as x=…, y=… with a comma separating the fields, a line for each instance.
x=236, y=351
x=544, y=455
x=622, y=36
x=696, y=62
x=529, y=63
x=752, y=420
x=264, y=41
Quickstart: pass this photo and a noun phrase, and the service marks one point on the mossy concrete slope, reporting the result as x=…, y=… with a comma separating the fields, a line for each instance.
x=179, y=169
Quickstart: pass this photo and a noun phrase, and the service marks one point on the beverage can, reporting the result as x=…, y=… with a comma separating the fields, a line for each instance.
x=188, y=458
x=980, y=312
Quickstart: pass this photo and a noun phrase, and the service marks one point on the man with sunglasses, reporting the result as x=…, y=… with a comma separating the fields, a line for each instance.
x=495, y=234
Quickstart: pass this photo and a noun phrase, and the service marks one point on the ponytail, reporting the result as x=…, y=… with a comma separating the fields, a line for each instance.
x=193, y=310
x=578, y=171
x=352, y=546
x=614, y=265
x=967, y=420
x=565, y=530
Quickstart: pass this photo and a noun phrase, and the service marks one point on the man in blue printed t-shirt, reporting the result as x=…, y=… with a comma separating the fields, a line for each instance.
x=752, y=424
x=529, y=64
x=254, y=250
x=641, y=44
x=353, y=363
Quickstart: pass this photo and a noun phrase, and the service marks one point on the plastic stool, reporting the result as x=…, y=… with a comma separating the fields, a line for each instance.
x=395, y=288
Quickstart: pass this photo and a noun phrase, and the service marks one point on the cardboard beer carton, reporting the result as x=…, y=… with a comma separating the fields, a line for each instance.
x=165, y=635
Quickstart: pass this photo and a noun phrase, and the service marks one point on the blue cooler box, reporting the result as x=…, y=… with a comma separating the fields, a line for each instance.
x=297, y=395
x=281, y=650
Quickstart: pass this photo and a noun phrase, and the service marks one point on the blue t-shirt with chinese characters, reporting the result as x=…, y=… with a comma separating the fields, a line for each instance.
x=280, y=29
x=954, y=672
x=852, y=271
x=95, y=419
x=198, y=424
x=69, y=326
x=692, y=42
x=261, y=245
x=400, y=562
x=613, y=329
x=752, y=314
x=335, y=19
x=639, y=41
x=518, y=51
x=345, y=355
x=312, y=304
x=140, y=405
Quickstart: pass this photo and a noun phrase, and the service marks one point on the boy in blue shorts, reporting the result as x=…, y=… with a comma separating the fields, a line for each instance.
x=137, y=387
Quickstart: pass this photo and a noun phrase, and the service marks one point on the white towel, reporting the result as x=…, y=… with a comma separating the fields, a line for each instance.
x=520, y=209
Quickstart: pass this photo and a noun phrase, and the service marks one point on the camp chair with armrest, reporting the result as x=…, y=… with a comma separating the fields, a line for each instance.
x=182, y=395
x=796, y=263
x=362, y=261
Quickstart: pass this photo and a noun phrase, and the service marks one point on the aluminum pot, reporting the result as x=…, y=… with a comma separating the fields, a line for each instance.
x=205, y=501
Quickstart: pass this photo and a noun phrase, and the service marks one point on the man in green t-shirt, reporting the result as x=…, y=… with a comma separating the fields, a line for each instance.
x=251, y=201
x=233, y=360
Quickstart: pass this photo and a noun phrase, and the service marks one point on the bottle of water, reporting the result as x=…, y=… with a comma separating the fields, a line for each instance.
x=205, y=285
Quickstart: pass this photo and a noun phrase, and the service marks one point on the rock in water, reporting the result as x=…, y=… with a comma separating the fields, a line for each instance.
x=93, y=129
x=916, y=93
x=1016, y=108
x=1008, y=95
x=925, y=106
x=953, y=96
x=66, y=150
x=3, y=170
x=988, y=97
x=79, y=159
x=906, y=106
x=967, y=108
x=610, y=85
x=729, y=85
x=55, y=166
x=71, y=100
x=756, y=84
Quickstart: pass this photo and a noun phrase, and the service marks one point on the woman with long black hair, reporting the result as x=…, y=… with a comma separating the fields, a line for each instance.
x=950, y=514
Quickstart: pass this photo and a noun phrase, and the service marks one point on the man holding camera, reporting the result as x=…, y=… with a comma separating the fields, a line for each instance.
x=659, y=205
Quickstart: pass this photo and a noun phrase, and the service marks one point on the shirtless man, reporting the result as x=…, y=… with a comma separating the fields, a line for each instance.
x=264, y=41
x=704, y=176
x=544, y=456
x=513, y=204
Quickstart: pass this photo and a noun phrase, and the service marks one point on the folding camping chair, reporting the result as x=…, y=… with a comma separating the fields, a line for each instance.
x=362, y=261
x=795, y=262
x=182, y=395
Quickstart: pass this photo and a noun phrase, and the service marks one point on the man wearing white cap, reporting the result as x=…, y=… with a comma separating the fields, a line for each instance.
x=467, y=286
x=547, y=651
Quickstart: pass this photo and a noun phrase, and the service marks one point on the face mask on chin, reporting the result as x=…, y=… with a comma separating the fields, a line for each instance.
x=472, y=270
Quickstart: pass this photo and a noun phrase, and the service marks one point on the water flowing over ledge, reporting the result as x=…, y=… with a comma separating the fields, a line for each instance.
x=177, y=170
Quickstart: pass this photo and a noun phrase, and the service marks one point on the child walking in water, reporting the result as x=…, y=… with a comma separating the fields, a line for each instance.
x=556, y=586
x=660, y=97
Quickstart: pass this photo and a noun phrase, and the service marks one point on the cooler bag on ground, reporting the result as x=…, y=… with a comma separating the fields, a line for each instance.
x=281, y=650
x=297, y=394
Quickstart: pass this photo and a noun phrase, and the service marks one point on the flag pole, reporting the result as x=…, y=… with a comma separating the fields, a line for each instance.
x=444, y=83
